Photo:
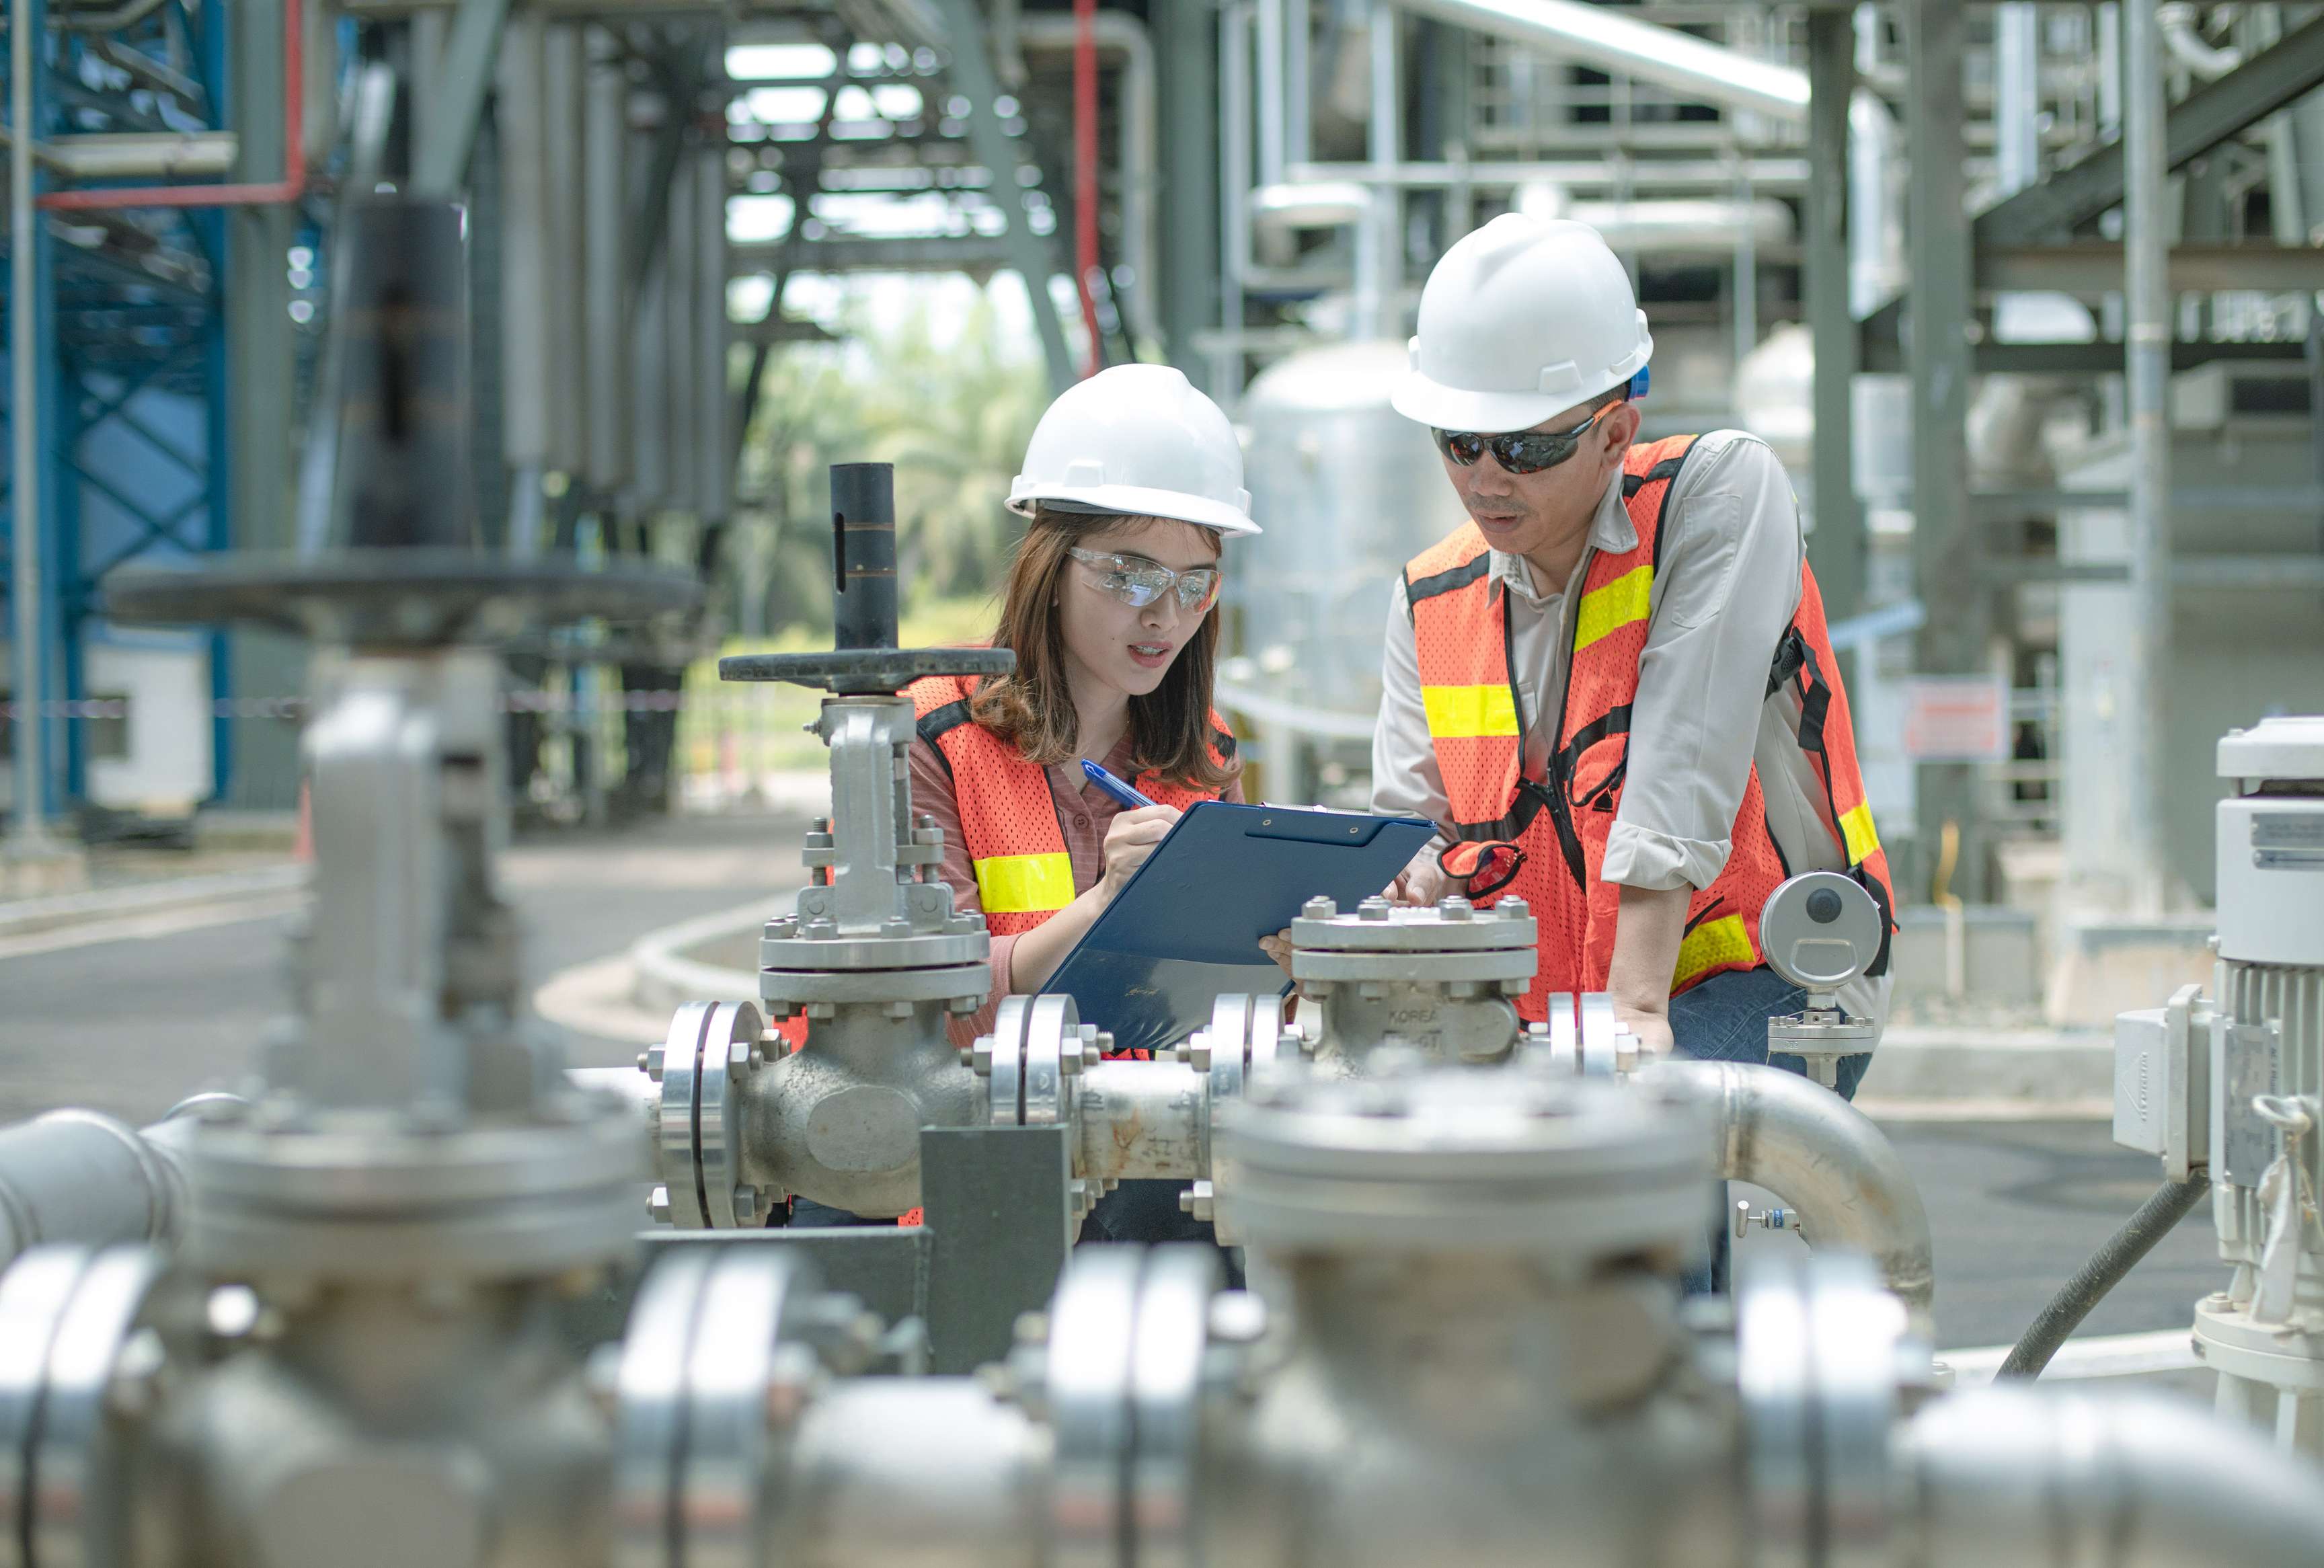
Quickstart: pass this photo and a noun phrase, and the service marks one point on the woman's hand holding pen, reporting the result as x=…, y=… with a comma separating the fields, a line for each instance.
x=1130, y=838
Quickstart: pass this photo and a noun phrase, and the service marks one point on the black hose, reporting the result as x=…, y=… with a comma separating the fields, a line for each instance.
x=2170, y=1204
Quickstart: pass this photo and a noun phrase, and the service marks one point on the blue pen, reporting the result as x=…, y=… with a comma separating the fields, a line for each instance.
x=1114, y=787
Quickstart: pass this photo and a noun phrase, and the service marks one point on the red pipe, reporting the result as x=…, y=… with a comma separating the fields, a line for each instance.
x=294, y=152
x=1085, y=262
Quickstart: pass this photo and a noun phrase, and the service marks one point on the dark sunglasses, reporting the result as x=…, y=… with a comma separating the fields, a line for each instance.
x=1518, y=451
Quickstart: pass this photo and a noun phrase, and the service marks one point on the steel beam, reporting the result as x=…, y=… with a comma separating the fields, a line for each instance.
x=971, y=71
x=2096, y=267
x=1952, y=639
x=1836, y=545
x=462, y=77
x=933, y=254
x=2200, y=121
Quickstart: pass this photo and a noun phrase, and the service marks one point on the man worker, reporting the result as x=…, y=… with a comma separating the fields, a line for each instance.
x=1612, y=688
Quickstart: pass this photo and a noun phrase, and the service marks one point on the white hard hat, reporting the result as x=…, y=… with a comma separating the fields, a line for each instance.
x=1522, y=318
x=1139, y=439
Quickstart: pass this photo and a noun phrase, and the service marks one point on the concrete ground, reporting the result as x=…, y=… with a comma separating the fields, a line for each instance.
x=130, y=1024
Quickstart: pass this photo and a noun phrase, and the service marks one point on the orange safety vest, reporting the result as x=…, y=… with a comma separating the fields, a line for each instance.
x=1007, y=815
x=1544, y=840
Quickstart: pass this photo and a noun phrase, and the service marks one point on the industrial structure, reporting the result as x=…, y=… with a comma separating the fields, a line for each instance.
x=378, y=391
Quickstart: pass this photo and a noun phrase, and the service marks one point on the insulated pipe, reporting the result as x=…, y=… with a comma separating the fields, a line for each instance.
x=1602, y=38
x=2019, y=1477
x=78, y=1177
x=1119, y=32
x=1820, y=1155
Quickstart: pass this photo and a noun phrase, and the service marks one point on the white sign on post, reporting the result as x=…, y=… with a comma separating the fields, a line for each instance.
x=1957, y=719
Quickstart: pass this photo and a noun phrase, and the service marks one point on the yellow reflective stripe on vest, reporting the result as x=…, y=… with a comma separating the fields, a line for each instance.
x=1710, y=945
x=1863, y=839
x=1464, y=713
x=1024, y=884
x=1614, y=607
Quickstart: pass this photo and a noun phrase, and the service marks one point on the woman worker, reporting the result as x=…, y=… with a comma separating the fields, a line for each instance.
x=1132, y=483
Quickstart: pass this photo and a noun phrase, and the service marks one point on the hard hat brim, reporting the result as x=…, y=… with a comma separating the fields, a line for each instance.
x=1135, y=501
x=1448, y=408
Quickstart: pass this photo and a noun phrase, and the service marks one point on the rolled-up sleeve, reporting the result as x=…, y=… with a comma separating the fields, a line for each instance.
x=1726, y=587
x=1406, y=780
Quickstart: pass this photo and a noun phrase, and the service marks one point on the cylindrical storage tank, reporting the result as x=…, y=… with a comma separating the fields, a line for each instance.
x=1347, y=490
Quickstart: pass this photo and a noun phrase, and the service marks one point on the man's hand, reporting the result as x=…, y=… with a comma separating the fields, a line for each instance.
x=1130, y=838
x=1278, y=947
x=1651, y=925
x=1422, y=882
x=1652, y=1029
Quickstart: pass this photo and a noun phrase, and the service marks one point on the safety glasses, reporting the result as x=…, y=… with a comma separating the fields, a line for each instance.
x=1139, y=582
x=1518, y=451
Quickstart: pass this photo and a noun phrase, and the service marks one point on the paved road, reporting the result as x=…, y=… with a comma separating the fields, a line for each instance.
x=130, y=1027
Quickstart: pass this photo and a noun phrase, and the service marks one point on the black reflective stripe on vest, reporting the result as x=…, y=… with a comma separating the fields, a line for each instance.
x=1460, y=577
x=1667, y=469
x=935, y=725
x=1815, y=706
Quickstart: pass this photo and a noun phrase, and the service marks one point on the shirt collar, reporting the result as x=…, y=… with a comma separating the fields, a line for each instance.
x=1612, y=532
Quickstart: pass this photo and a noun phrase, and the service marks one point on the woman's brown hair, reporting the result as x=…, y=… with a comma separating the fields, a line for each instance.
x=1170, y=726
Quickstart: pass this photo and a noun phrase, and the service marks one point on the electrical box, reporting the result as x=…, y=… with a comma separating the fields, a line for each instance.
x=2163, y=1082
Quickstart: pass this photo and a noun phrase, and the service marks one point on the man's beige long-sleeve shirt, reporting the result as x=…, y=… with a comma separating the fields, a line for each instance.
x=1726, y=587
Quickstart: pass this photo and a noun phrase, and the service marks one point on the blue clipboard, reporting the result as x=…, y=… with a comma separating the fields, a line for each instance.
x=1187, y=925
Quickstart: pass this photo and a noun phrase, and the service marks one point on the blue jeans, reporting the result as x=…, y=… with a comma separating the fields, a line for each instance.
x=1725, y=1019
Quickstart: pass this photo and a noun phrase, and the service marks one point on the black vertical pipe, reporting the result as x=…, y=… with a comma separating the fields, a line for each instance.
x=404, y=478
x=863, y=555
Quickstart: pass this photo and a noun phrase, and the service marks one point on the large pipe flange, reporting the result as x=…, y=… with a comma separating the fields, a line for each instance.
x=1821, y=1350
x=723, y=1354
x=1582, y=1037
x=712, y=1050
x=66, y=1315
x=1031, y=1062
x=1245, y=1039
x=1122, y=1381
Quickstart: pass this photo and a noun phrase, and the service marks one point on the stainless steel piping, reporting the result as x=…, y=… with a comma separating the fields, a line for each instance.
x=1603, y=38
x=2146, y=375
x=80, y=1176
x=1820, y=1155
x=1140, y=138
x=2027, y=1478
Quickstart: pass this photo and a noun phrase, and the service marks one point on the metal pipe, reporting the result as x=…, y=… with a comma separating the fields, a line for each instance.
x=1142, y=1120
x=261, y=194
x=1779, y=174
x=2023, y=1478
x=1379, y=244
x=713, y=447
x=1271, y=160
x=604, y=281
x=1234, y=182
x=109, y=155
x=75, y=1176
x=932, y=1471
x=2146, y=371
x=1821, y=1156
x=1139, y=138
x=29, y=836
x=2192, y=50
x=526, y=388
x=1602, y=38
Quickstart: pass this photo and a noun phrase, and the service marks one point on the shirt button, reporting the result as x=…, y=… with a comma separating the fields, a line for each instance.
x=1081, y=821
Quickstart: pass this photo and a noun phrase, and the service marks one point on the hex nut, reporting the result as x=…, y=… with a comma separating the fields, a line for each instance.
x=1199, y=1200
x=980, y=1057
x=1372, y=908
x=1319, y=909
x=657, y=1205
x=1453, y=907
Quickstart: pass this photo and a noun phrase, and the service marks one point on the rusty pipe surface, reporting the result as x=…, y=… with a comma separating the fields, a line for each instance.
x=1820, y=1155
x=1142, y=1120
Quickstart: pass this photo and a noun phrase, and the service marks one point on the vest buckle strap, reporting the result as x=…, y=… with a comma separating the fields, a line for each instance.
x=1472, y=859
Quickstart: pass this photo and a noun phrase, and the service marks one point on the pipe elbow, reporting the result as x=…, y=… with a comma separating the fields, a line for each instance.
x=2033, y=1477
x=1820, y=1155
